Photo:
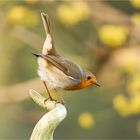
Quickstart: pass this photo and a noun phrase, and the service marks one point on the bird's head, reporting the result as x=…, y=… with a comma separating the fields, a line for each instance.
x=90, y=78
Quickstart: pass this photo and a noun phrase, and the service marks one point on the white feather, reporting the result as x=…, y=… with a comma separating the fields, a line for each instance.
x=47, y=45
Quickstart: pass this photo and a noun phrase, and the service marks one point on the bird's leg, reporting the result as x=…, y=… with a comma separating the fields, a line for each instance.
x=60, y=97
x=50, y=97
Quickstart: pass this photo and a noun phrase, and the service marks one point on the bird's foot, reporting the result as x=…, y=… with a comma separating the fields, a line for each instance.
x=51, y=99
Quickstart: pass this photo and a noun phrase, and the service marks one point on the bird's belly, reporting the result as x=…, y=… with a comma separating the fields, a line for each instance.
x=54, y=78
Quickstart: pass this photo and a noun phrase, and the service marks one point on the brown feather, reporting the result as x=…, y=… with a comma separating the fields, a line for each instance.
x=68, y=67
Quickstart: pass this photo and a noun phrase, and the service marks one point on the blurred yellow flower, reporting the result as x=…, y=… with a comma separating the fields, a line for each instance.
x=135, y=3
x=113, y=35
x=86, y=120
x=135, y=104
x=136, y=19
x=130, y=62
x=22, y=15
x=72, y=14
x=127, y=107
x=16, y=14
x=36, y=1
x=133, y=85
x=121, y=105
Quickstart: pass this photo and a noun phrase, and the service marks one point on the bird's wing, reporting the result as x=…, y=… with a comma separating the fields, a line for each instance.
x=48, y=47
x=68, y=67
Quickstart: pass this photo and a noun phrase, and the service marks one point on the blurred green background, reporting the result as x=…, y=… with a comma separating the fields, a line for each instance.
x=102, y=36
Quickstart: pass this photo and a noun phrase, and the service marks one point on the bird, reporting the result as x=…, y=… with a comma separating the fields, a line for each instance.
x=58, y=72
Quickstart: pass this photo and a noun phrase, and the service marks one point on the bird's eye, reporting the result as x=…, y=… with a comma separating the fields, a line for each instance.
x=88, y=78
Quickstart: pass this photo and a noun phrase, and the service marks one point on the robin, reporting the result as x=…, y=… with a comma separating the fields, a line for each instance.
x=58, y=72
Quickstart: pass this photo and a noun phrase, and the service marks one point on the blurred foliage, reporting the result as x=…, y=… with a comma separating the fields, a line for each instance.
x=111, y=50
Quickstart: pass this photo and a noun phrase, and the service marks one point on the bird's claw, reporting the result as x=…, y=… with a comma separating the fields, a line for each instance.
x=56, y=101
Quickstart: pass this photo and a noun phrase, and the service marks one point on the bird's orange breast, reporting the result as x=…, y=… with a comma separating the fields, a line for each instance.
x=81, y=85
x=75, y=87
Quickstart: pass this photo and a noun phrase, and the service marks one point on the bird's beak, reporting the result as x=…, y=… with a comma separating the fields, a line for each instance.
x=97, y=84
